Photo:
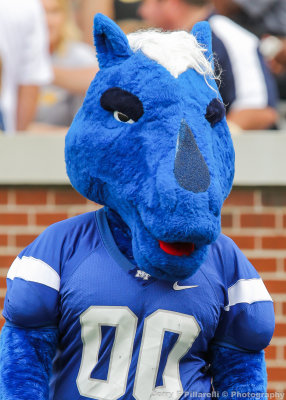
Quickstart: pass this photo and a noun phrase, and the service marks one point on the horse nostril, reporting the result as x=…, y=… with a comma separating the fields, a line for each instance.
x=191, y=170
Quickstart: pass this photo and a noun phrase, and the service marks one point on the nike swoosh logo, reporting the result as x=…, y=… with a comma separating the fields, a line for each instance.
x=177, y=287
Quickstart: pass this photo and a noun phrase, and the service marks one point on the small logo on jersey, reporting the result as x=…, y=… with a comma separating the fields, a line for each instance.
x=142, y=274
x=178, y=287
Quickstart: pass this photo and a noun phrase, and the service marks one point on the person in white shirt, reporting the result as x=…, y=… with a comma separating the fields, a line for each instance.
x=25, y=61
x=57, y=106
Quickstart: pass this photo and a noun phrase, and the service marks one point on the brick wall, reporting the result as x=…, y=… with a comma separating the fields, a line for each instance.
x=255, y=219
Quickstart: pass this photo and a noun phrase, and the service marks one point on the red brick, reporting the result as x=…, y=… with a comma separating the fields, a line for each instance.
x=3, y=240
x=280, y=330
x=276, y=286
x=257, y=220
x=24, y=240
x=226, y=220
x=69, y=197
x=240, y=198
x=276, y=374
x=284, y=221
x=3, y=196
x=6, y=261
x=274, y=197
x=271, y=352
x=31, y=197
x=244, y=242
x=48, y=219
x=3, y=282
x=1, y=302
x=274, y=242
x=264, y=264
x=13, y=219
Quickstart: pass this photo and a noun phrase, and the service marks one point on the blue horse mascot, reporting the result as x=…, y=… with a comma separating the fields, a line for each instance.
x=145, y=298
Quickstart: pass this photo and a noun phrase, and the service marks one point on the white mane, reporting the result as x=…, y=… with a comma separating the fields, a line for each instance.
x=176, y=51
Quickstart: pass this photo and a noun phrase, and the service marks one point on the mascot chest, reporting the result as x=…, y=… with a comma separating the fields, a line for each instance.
x=117, y=320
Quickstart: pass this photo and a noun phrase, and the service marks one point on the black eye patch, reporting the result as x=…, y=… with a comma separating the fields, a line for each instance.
x=215, y=112
x=116, y=99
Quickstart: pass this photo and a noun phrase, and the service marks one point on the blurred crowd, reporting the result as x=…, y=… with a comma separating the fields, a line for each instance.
x=47, y=58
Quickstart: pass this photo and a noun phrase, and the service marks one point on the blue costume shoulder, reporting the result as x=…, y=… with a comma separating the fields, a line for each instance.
x=247, y=316
x=34, y=279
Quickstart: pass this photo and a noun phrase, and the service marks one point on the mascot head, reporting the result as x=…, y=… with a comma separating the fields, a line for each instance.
x=152, y=143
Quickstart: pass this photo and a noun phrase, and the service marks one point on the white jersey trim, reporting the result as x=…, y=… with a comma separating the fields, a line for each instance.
x=247, y=291
x=34, y=270
x=241, y=46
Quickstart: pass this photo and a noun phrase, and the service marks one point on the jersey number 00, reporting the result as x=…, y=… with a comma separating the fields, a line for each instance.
x=125, y=322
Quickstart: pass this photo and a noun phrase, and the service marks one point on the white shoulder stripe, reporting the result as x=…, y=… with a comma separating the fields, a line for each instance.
x=34, y=270
x=247, y=291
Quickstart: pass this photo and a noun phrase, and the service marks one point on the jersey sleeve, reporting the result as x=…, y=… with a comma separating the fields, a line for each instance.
x=33, y=283
x=247, y=318
x=38, y=274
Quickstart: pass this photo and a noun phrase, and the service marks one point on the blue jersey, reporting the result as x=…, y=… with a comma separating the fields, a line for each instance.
x=124, y=334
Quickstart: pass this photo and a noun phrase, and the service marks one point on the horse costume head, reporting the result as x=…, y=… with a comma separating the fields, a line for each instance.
x=152, y=143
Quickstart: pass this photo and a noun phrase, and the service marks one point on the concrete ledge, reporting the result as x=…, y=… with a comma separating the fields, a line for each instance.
x=32, y=160
x=260, y=159
x=39, y=160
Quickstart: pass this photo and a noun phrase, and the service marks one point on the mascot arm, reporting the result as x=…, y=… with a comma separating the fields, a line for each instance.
x=31, y=309
x=235, y=372
x=244, y=329
x=237, y=356
x=26, y=361
x=32, y=306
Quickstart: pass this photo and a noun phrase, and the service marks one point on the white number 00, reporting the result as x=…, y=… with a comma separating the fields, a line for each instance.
x=125, y=322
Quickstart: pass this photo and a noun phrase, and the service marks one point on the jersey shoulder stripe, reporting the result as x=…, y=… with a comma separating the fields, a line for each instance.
x=34, y=270
x=247, y=291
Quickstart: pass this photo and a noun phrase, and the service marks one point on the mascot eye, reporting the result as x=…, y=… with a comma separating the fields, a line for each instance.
x=125, y=106
x=119, y=116
x=215, y=112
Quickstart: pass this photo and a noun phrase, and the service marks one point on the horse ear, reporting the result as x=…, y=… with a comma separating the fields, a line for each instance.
x=111, y=43
x=202, y=32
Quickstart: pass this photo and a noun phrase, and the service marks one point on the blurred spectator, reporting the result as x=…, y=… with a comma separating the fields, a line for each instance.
x=126, y=9
x=247, y=88
x=74, y=80
x=119, y=10
x=25, y=60
x=78, y=80
x=263, y=18
x=58, y=106
x=258, y=16
x=85, y=11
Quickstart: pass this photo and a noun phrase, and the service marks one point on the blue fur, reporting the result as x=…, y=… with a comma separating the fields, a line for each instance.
x=203, y=34
x=237, y=372
x=111, y=45
x=26, y=360
x=121, y=234
x=130, y=167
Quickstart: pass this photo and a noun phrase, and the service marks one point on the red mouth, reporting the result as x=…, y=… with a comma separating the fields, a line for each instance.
x=177, y=249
